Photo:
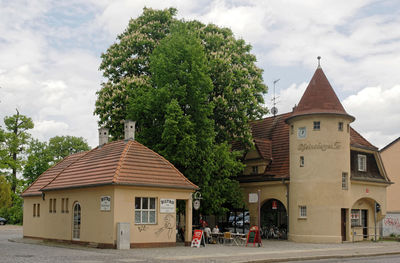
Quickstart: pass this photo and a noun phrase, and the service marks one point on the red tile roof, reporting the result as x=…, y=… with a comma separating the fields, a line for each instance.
x=356, y=140
x=274, y=132
x=319, y=97
x=50, y=174
x=122, y=162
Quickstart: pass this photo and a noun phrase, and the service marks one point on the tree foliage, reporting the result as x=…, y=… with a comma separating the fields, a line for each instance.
x=42, y=155
x=62, y=146
x=16, y=141
x=237, y=86
x=174, y=113
x=5, y=192
x=192, y=88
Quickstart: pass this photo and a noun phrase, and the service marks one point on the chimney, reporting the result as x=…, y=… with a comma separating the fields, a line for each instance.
x=103, y=135
x=129, y=129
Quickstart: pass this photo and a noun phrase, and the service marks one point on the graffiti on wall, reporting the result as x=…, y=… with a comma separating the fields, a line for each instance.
x=142, y=228
x=168, y=226
x=391, y=221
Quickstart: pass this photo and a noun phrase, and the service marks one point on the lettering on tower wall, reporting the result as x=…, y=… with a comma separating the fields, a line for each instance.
x=319, y=146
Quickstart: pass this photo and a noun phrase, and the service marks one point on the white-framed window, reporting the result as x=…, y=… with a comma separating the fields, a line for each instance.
x=317, y=125
x=345, y=179
x=145, y=210
x=362, y=162
x=302, y=211
x=255, y=169
x=301, y=161
x=355, y=217
x=340, y=126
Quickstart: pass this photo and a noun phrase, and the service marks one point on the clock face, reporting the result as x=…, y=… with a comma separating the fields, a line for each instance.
x=302, y=132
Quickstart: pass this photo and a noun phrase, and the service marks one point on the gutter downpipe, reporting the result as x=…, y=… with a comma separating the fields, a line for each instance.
x=287, y=202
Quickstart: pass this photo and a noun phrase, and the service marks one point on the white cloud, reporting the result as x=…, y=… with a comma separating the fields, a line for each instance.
x=377, y=112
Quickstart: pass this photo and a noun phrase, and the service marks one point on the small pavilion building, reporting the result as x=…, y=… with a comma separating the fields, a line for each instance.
x=119, y=194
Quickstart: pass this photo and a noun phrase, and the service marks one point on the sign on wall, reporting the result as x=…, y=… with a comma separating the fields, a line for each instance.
x=167, y=206
x=105, y=203
x=253, y=198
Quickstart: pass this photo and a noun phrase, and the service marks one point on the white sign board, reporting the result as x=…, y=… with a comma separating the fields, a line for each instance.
x=167, y=206
x=253, y=198
x=105, y=203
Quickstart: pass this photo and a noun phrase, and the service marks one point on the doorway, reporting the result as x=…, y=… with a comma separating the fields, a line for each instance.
x=76, y=226
x=364, y=222
x=343, y=224
x=274, y=219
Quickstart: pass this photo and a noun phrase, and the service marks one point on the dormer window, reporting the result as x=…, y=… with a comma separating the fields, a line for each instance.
x=362, y=163
x=317, y=125
x=255, y=170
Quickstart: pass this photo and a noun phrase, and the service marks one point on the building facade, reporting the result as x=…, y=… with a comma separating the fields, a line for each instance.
x=319, y=180
x=120, y=194
x=390, y=157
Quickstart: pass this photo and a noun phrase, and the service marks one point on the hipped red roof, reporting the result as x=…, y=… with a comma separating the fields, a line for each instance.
x=122, y=162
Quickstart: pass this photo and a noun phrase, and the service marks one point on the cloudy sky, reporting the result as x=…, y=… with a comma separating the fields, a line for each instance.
x=50, y=55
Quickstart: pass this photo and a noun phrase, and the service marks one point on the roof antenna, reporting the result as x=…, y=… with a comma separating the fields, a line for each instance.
x=319, y=60
x=274, y=109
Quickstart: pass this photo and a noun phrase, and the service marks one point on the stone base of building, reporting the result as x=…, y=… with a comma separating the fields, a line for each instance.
x=82, y=243
x=155, y=244
x=314, y=238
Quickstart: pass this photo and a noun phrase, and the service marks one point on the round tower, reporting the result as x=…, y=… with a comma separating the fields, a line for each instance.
x=319, y=146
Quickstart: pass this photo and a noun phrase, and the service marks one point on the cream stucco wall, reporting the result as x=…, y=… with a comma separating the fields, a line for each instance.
x=101, y=226
x=318, y=185
x=268, y=190
x=390, y=157
x=164, y=231
x=96, y=225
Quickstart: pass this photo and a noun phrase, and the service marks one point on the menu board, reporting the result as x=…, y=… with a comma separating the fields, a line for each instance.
x=198, y=238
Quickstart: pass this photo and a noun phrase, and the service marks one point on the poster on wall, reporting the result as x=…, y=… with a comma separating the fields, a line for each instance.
x=105, y=203
x=167, y=206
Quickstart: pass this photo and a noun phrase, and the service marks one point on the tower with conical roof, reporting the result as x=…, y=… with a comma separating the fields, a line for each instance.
x=319, y=143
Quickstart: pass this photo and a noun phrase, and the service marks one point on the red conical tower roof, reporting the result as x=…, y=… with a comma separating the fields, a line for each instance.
x=319, y=98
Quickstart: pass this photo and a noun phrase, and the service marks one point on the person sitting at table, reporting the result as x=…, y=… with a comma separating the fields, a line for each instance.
x=207, y=234
x=215, y=230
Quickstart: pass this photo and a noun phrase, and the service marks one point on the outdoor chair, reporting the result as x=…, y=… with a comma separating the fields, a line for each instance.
x=228, y=236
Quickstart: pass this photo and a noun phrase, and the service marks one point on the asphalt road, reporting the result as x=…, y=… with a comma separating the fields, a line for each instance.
x=380, y=259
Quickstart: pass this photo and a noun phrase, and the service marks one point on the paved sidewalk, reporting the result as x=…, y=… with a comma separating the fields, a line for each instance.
x=271, y=251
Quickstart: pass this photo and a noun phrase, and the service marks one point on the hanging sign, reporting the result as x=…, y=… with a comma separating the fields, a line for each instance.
x=274, y=204
x=253, y=198
x=167, y=206
x=196, y=204
x=198, y=238
x=105, y=203
x=254, y=237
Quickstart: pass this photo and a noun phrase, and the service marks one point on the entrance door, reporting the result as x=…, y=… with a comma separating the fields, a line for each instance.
x=76, y=226
x=364, y=222
x=343, y=224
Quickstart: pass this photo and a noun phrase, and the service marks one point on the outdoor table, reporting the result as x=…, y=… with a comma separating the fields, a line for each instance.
x=238, y=238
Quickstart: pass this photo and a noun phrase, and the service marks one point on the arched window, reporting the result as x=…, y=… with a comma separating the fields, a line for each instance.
x=76, y=226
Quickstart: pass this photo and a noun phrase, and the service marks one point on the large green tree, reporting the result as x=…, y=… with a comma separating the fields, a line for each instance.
x=174, y=116
x=16, y=141
x=237, y=88
x=5, y=192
